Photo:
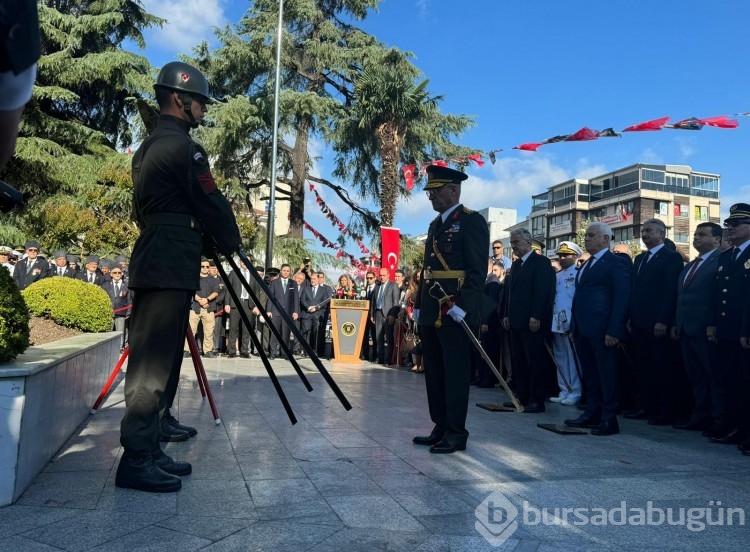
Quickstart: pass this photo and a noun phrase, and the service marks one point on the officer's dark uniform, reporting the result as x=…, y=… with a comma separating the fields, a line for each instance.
x=456, y=257
x=174, y=197
x=731, y=374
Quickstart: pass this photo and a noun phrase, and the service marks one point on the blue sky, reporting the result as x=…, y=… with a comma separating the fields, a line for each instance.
x=531, y=69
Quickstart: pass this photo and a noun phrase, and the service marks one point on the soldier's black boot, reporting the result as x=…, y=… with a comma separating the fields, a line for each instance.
x=138, y=470
x=167, y=464
x=169, y=433
x=171, y=420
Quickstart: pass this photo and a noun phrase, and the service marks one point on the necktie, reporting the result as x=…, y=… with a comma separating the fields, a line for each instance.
x=91, y=277
x=646, y=258
x=117, y=289
x=735, y=253
x=60, y=271
x=283, y=286
x=315, y=290
x=691, y=274
x=379, y=302
x=246, y=275
x=29, y=266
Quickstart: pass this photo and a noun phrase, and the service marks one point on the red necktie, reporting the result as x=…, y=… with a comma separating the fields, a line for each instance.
x=691, y=274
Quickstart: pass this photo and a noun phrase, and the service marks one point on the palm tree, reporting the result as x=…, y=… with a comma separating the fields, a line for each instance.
x=393, y=119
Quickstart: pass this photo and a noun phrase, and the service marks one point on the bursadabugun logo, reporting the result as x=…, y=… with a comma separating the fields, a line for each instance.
x=496, y=518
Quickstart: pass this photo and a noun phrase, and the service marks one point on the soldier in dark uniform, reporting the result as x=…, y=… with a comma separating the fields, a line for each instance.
x=61, y=267
x=174, y=196
x=456, y=257
x=729, y=379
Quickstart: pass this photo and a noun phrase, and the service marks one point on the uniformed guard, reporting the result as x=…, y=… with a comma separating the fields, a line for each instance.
x=174, y=198
x=730, y=377
x=456, y=257
x=567, y=376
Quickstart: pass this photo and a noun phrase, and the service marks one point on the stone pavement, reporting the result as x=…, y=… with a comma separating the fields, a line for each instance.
x=354, y=481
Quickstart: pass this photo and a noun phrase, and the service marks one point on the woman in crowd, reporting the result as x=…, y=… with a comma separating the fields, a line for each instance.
x=346, y=288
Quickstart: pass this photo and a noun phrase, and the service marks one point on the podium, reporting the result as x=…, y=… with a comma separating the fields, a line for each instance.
x=348, y=322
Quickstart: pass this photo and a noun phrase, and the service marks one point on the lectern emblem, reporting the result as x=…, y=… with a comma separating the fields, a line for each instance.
x=348, y=329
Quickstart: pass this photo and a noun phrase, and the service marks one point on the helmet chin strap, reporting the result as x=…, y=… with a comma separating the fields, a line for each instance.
x=187, y=103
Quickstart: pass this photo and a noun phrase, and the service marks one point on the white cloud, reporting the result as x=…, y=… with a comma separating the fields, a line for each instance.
x=188, y=23
x=422, y=6
x=687, y=146
x=649, y=156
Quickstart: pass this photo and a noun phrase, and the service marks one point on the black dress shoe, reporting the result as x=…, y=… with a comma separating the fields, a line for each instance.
x=232, y=355
x=732, y=437
x=694, y=425
x=245, y=355
x=446, y=447
x=533, y=408
x=172, y=421
x=140, y=472
x=636, y=415
x=271, y=357
x=610, y=427
x=209, y=354
x=583, y=421
x=169, y=434
x=427, y=440
x=166, y=464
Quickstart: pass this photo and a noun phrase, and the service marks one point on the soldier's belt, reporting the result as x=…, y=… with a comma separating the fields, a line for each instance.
x=443, y=274
x=172, y=219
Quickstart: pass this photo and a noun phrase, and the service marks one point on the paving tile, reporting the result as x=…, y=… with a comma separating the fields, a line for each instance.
x=19, y=519
x=91, y=528
x=366, y=540
x=212, y=528
x=279, y=536
x=65, y=489
x=273, y=492
x=380, y=512
x=215, y=498
x=153, y=539
x=21, y=544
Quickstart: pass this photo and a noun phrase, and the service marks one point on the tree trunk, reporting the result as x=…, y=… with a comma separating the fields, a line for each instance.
x=390, y=146
x=299, y=175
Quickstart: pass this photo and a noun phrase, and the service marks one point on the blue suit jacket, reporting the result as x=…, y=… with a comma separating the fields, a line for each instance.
x=600, y=304
x=654, y=295
x=695, y=302
x=289, y=301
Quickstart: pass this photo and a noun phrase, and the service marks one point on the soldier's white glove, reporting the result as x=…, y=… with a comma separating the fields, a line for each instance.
x=456, y=313
x=415, y=315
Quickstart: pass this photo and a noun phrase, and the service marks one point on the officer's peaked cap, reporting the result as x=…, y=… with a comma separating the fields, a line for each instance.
x=739, y=211
x=569, y=248
x=438, y=176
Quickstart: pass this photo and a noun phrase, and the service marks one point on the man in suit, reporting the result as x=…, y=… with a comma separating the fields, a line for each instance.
x=315, y=302
x=61, y=267
x=694, y=286
x=600, y=312
x=91, y=274
x=455, y=257
x=653, y=299
x=528, y=297
x=301, y=283
x=32, y=268
x=730, y=302
x=369, y=334
x=121, y=299
x=386, y=296
x=284, y=290
x=237, y=328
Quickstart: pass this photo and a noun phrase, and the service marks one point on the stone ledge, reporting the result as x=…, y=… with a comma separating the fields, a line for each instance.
x=45, y=394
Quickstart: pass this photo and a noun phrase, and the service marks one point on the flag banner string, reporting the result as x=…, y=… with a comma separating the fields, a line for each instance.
x=336, y=221
x=418, y=170
x=340, y=253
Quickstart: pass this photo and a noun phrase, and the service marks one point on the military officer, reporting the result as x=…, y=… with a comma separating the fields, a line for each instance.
x=731, y=289
x=174, y=198
x=61, y=267
x=455, y=257
x=567, y=254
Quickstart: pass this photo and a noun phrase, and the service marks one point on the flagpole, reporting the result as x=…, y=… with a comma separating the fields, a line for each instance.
x=274, y=152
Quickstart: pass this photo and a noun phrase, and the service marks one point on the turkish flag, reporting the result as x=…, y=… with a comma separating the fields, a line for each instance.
x=655, y=124
x=583, y=135
x=390, y=248
x=409, y=176
x=528, y=147
x=723, y=121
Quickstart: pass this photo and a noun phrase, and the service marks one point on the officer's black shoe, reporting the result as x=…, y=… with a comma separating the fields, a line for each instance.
x=446, y=447
x=429, y=440
x=209, y=354
x=232, y=355
x=583, y=421
x=171, y=420
x=169, y=434
x=140, y=472
x=166, y=464
x=245, y=355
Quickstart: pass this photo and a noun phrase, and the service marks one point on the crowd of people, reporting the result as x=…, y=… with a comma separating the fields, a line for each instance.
x=653, y=338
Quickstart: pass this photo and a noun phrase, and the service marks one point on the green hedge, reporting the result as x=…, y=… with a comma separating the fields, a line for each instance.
x=70, y=302
x=14, y=318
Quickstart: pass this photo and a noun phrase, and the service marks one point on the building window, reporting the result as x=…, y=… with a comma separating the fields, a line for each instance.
x=680, y=210
x=701, y=213
x=681, y=237
x=650, y=175
x=661, y=208
x=623, y=234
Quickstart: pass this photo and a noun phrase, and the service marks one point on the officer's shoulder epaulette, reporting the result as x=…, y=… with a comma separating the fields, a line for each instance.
x=468, y=211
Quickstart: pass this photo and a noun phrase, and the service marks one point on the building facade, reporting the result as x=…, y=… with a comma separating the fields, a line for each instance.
x=624, y=199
